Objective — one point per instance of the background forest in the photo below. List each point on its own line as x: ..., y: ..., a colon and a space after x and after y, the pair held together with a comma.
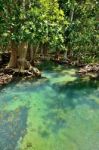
x: 31, y: 27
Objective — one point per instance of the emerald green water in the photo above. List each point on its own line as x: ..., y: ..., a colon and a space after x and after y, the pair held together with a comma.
x: 57, y: 112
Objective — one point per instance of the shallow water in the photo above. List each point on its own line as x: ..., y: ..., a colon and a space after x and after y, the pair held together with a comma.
x: 57, y: 112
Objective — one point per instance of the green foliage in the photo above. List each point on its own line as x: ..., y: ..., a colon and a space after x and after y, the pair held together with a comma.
x: 81, y: 36
x: 37, y: 21
x: 60, y: 24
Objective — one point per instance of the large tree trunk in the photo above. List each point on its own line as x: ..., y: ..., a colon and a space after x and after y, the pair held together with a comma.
x: 22, y: 53
x: 13, y: 58
x: 19, y: 61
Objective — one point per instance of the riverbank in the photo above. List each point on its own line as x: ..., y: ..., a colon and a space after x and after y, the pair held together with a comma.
x: 9, y: 74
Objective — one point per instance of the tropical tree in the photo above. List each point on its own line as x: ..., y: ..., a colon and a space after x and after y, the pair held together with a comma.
x: 28, y: 24
x: 81, y: 36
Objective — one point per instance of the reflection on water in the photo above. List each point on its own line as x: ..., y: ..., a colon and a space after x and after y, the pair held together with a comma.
x: 57, y: 112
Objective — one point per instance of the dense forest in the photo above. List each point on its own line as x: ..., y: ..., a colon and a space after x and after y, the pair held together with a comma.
x: 49, y: 74
x: 31, y: 29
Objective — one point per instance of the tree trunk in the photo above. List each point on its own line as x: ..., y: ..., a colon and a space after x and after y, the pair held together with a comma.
x: 33, y: 52
x: 22, y: 53
x: 19, y: 61
x: 65, y: 55
x: 72, y: 15
x: 13, y: 58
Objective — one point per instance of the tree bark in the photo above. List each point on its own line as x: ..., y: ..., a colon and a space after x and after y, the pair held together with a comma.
x: 13, y: 58
x: 65, y: 55
x: 19, y: 63
x: 33, y: 52
x: 22, y: 53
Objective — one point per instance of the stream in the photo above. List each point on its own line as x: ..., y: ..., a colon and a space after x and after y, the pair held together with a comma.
x: 59, y: 111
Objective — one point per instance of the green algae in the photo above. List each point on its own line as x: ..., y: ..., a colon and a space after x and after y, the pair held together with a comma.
x: 63, y: 111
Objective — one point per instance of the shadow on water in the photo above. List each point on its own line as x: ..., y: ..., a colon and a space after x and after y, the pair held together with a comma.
x: 69, y: 96
x: 77, y: 93
x: 12, y: 127
x: 52, y: 66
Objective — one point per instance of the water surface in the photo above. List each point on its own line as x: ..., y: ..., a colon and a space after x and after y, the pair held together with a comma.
x: 57, y: 112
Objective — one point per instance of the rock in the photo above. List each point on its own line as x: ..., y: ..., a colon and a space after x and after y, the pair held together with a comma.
x: 8, y: 74
x: 8, y: 70
x: 36, y: 72
x: 90, y: 70
x: 23, y: 73
x: 5, y: 78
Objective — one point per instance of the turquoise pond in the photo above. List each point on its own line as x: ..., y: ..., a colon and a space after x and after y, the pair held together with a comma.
x: 57, y: 112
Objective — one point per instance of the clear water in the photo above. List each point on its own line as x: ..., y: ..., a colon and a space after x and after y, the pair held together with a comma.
x: 57, y: 112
